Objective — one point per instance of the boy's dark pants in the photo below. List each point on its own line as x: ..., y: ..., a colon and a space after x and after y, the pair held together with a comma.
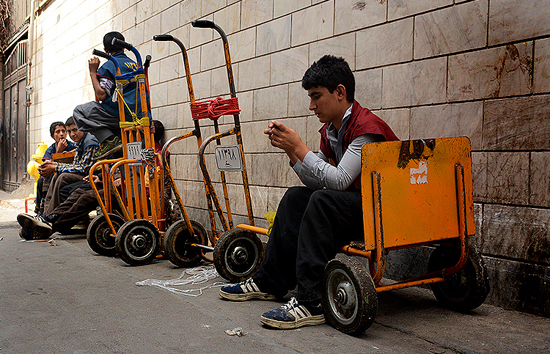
x: 309, y: 228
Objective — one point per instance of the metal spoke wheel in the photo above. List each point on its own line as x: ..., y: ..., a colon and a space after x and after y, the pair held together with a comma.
x: 238, y: 254
x: 137, y: 242
x: 99, y: 235
x: 465, y: 290
x: 349, y: 299
x: 177, y: 242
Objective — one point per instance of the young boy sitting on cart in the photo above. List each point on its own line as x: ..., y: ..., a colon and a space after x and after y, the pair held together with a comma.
x: 102, y: 118
x: 314, y: 221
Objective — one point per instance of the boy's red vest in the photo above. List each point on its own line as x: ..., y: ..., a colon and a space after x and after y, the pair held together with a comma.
x: 362, y: 121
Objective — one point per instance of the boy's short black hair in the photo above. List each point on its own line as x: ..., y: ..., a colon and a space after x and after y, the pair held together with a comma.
x: 329, y: 72
x: 54, y: 125
x: 159, y: 130
x: 108, y: 39
x: 69, y: 121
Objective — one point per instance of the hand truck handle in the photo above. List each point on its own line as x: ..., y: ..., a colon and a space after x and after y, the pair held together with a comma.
x: 99, y: 53
x: 147, y: 61
x: 203, y: 24
x: 117, y: 42
x: 163, y: 37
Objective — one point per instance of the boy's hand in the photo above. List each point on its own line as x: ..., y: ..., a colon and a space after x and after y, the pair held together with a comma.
x: 47, y: 168
x: 93, y: 65
x: 61, y: 145
x: 287, y: 139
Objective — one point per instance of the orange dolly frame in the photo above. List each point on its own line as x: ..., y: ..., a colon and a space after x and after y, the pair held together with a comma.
x: 136, y: 237
x: 237, y: 253
x: 415, y: 193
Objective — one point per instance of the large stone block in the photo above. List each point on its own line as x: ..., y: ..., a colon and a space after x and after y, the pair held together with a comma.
x: 541, y: 77
x: 220, y: 84
x: 339, y: 46
x: 201, y: 85
x: 386, y: 44
x: 454, y: 29
x: 211, y: 5
x: 151, y: 27
x: 312, y: 137
x: 508, y: 177
x: 517, y: 124
x: 254, y: 12
x: 283, y: 7
x: 190, y: 10
x: 490, y: 73
x: 159, y: 94
x: 519, y: 233
x: 271, y: 102
x: 479, y: 176
x: 289, y: 65
x: 212, y: 55
x: 449, y: 120
x: 298, y: 100
x: 271, y: 170
x: 169, y: 19
x: 254, y: 73
x: 416, y: 83
x: 169, y: 68
x: 401, y: 8
x: 242, y: 45
x: 513, y: 20
x: 520, y: 286
x: 539, y: 182
x: 229, y: 18
x: 368, y: 88
x: 246, y: 100
x: 313, y: 23
x: 254, y: 140
x: 351, y: 14
x: 398, y: 120
x: 273, y: 36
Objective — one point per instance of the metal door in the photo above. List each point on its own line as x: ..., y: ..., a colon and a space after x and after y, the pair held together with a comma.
x: 14, y: 121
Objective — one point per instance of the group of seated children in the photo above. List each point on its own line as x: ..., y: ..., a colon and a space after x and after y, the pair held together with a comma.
x: 64, y: 195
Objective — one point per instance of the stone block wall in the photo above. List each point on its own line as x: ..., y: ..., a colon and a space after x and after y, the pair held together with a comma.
x: 430, y: 68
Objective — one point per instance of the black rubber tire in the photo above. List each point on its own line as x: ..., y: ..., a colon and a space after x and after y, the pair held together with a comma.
x: 238, y: 254
x: 99, y: 236
x: 177, y: 240
x: 350, y: 301
x: 137, y: 242
x: 465, y: 290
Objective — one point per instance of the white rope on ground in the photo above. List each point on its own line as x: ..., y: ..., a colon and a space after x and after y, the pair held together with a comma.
x: 197, y: 275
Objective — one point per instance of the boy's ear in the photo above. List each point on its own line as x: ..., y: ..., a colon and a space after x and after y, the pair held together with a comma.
x: 341, y: 90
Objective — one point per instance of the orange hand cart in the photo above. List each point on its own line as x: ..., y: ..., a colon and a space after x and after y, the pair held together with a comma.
x: 415, y: 193
x: 138, y: 239
x: 236, y: 253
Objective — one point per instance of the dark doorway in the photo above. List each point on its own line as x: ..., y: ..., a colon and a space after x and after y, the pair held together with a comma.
x: 14, y: 120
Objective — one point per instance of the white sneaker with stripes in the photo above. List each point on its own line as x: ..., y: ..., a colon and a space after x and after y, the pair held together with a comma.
x: 246, y: 290
x: 293, y: 315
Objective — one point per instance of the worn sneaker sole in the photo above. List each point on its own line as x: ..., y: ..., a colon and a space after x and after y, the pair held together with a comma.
x: 29, y: 223
x: 247, y: 296
x: 109, y: 152
x: 306, y: 321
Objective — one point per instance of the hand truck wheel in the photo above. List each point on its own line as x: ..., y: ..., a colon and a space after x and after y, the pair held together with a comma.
x: 177, y: 242
x: 465, y: 290
x: 137, y: 242
x: 350, y: 301
x: 237, y: 254
x: 99, y: 235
